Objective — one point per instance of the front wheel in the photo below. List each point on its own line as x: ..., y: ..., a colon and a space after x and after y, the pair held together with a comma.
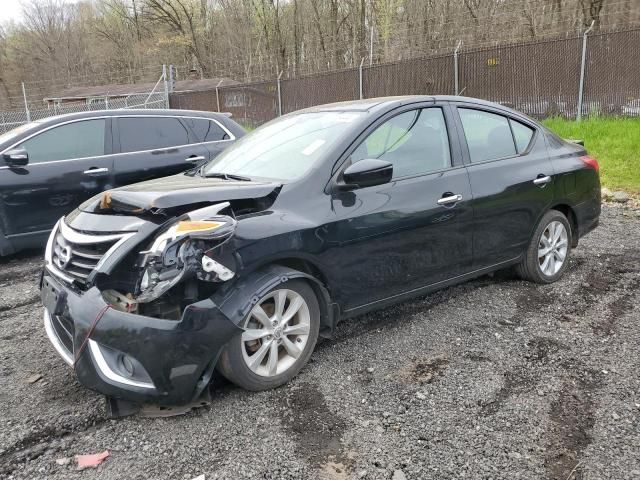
x: 280, y: 333
x: 547, y: 256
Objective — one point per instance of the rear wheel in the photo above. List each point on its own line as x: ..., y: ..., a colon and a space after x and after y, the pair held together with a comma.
x: 547, y: 256
x: 279, y: 336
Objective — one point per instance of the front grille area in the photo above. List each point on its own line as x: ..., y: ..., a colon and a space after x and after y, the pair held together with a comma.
x: 64, y: 331
x: 76, y: 254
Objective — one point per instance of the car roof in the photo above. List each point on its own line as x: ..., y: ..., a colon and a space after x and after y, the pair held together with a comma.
x: 373, y: 105
x: 119, y: 112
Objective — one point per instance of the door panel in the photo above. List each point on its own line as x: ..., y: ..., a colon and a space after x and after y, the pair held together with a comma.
x: 396, y: 237
x: 507, y: 203
x: 35, y: 196
x: 153, y: 147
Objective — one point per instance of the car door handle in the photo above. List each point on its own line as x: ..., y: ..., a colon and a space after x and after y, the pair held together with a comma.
x: 95, y: 172
x: 449, y: 199
x: 542, y: 180
x: 197, y: 159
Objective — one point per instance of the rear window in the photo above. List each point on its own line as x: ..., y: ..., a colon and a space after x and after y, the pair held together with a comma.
x: 206, y: 130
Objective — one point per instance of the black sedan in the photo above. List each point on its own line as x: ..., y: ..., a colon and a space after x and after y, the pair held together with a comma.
x: 50, y: 166
x: 316, y: 216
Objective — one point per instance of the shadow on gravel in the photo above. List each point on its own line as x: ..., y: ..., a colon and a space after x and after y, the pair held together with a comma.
x: 572, y: 418
x: 395, y: 316
x: 317, y: 429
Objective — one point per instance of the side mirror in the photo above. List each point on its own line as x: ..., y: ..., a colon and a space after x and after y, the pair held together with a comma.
x: 16, y: 158
x: 366, y: 173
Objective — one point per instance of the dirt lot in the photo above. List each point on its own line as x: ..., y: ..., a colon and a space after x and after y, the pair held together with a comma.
x: 496, y: 378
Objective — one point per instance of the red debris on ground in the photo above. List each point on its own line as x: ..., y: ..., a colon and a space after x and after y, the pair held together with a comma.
x: 91, y: 460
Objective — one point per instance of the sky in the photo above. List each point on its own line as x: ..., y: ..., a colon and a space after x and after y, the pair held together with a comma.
x: 10, y: 10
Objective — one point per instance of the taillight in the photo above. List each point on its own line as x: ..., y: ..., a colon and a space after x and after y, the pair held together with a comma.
x: 590, y: 162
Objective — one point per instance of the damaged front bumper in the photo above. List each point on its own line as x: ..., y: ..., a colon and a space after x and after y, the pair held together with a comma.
x: 134, y: 357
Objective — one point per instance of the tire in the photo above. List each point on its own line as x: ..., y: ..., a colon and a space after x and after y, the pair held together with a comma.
x: 532, y: 267
x: 262, y: 336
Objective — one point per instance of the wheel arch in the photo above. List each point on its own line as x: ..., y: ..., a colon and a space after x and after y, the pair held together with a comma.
x: 319, y: 282
x: 569, y: 212
x: 239, y: 296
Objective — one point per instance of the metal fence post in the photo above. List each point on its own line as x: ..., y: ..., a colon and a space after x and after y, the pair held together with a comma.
x: 371, y: 47
x: 582, y: 70
x: 218, y: 94
x: 455, y: 69
x: 360, y: 79
x: 166, y: 85
x: 279, y: 95
x: 26, y: 104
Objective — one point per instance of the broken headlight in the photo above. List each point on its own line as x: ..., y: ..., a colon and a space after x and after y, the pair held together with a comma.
x: 186, y: 249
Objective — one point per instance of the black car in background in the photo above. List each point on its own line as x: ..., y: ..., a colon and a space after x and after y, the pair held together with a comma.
x: 317, y: 216
x: 50, y: 166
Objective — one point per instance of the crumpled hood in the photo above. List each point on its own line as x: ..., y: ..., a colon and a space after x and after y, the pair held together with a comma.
x: 176, y: 191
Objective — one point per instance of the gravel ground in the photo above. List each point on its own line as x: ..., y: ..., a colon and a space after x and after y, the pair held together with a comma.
x: 496, y: 378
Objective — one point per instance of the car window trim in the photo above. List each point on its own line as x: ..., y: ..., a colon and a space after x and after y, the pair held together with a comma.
x: 231, y: 138
x: 495, y: 111
x: 418, y: 175
x: 449, y: 125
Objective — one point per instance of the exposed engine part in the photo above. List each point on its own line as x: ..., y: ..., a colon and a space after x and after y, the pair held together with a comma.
x: 123, y: 303
x: 210, y: 265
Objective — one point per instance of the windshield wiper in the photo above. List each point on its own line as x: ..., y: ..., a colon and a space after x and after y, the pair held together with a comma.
x: 226, y: 176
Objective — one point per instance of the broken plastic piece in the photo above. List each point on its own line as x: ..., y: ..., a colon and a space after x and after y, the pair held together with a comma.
x: 91, y: 460
x: 123, y: 303
x: 210, y: 265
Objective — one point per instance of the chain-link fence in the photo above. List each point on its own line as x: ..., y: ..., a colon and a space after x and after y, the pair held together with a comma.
x: 540, y: 79
x: 47, y: 107
x: 251, y: 103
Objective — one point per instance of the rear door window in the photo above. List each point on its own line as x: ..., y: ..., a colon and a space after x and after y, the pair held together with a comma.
x: 488, y: 135
x: 522, y: 135
x: 150, y: 133
x: 81, y: 139
x: 206, y: 130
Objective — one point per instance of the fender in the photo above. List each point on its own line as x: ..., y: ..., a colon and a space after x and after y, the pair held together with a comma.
x: 237, y: 299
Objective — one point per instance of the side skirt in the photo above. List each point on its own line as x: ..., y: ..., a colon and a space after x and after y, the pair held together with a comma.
x: 416, y: 292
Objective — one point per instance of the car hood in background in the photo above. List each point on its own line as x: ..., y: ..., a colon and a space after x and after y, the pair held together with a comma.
x: 176, y: 191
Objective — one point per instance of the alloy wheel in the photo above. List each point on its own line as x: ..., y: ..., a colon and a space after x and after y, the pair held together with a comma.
x: 552, y: 248
x: 276, y: 332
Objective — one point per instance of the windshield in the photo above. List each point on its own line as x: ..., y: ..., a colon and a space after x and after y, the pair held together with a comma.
x: 283, y: 149
x: 13, y: 133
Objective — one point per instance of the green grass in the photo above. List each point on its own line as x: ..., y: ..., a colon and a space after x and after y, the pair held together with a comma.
x: 614, y: 142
